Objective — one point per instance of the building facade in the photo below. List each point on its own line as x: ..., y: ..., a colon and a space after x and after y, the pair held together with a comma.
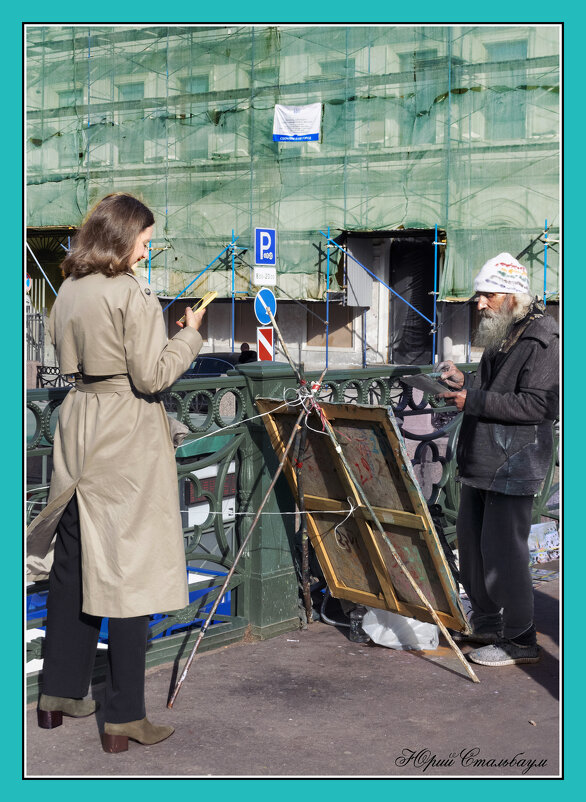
x: 439, y: 147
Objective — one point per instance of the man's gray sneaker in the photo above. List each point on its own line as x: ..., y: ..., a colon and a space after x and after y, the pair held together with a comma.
x: 504, y: 653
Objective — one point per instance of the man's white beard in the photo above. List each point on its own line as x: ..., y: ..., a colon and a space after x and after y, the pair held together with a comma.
x: 494, y: 326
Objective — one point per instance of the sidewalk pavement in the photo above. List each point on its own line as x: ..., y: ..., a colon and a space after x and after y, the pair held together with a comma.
x: 311, y: 703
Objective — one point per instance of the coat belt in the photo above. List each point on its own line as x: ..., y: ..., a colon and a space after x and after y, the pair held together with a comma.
x: 103, y: 384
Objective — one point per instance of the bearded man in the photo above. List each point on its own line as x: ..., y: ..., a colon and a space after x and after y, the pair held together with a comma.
x: 504, y: 451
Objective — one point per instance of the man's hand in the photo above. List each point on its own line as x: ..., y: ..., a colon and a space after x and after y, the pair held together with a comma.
x: 459, y: 398
x: 450, y: 374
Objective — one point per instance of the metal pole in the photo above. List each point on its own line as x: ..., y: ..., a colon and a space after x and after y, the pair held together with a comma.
x: 233, y: 269
x: 364, y: 338
x: 328, y: 299
x: 545, y: 268
x: 435, y: 244
x: 41, y: 269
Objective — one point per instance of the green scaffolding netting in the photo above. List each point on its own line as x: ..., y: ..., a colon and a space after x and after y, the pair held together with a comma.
x: 422, y: 125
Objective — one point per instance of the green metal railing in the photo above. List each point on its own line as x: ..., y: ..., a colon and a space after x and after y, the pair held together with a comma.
x: 228, y: 461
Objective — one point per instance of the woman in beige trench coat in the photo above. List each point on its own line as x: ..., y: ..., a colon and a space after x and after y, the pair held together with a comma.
x: 112, y: 526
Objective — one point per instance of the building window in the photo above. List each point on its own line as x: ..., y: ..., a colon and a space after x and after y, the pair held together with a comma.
x: 69, y: 143
x: 130, y: 133
x: 340, y: 325
x: 339, y: 122
x: 70, y: 98
x: 417, y: 59
x: 195, y: 85
x: 69, y: 149
x: 266, y: 76
x: 195, y: 132
x: 418, y: 122
x: 506, y: 110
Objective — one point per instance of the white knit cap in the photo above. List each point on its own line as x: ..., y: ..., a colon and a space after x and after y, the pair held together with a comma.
x: 503, y: 273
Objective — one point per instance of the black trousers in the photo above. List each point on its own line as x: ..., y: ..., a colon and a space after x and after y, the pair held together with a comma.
x: 492, y: 531
x: 71, y: 636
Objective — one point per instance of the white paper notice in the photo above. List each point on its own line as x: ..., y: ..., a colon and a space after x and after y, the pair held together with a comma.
x: 297, y: 123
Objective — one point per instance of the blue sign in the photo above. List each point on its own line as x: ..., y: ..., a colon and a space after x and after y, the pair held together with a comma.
x: 265, y: 246
x: 261, y: 313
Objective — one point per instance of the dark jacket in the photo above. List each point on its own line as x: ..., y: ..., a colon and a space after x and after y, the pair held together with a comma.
x: 506, y: 439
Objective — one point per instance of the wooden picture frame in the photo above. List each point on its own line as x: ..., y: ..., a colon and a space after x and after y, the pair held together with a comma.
x: 356, y: 561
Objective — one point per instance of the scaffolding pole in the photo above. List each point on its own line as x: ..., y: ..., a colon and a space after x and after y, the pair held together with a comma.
x: 41, y: 269
x: 207, y: 267
x: 328, y: 298
x: 435, y: 247
x: 233, y: 271
x: 545, y: 267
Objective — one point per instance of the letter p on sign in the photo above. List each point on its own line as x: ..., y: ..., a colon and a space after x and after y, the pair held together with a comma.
x: 265, y: 246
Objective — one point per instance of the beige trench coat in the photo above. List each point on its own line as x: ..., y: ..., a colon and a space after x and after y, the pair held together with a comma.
x: 113, y: 448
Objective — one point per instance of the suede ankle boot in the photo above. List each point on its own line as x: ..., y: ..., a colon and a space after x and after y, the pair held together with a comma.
x: 115, y: 736
x: 52, y: 709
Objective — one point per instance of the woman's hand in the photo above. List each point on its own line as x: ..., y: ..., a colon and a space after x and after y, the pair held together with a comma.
x: 194, y: 319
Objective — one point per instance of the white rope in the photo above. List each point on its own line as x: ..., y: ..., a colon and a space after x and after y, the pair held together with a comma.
x: 302, y: 397
x: 216, y: 432
x: 352, y: 508
x: 307, y: 398
x: 311, y: 429
x: 307, y: 512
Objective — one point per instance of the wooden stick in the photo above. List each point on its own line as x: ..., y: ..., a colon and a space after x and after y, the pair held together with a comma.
x: 236, y: 560
x: 306, y: 589
x: 294, y: 367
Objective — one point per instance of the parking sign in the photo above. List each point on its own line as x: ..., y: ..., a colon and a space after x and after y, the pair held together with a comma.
x: 265, y: 246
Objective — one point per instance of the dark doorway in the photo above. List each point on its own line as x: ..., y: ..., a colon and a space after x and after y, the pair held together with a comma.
x: 411, y: 275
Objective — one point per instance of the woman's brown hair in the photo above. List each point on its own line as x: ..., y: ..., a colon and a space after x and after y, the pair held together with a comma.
x: 105, y: 241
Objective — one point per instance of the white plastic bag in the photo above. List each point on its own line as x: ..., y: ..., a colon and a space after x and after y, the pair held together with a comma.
x: 398, y: 632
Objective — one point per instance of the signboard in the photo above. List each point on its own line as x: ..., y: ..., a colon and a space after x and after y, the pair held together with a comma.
x: 265, y: 246
x: 297, y: 123
x: 355, y: 558
x: 265, y: 343
x: 269, y: 299
x: 265, y: 276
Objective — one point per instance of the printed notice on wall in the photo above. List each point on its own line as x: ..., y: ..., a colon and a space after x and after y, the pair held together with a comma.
x: 297, y: 123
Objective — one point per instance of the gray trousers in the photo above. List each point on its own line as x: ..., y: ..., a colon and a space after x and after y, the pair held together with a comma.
x: 492, y: 531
